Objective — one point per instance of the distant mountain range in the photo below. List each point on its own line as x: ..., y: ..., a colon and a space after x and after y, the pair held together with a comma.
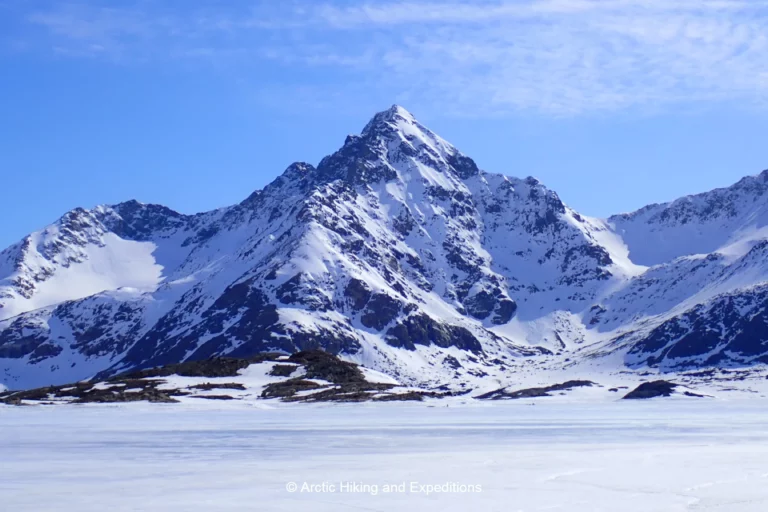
x: 399, y: 253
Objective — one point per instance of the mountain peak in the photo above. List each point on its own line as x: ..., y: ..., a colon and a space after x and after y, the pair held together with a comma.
x: 397, y: 109
x: 390, y: 138
x: 388, y: 120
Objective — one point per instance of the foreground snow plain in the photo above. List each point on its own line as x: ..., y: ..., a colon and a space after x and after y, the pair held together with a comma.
x: 657, y: 455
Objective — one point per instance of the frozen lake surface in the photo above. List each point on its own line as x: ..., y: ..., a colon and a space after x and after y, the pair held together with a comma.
x: 673, y: 455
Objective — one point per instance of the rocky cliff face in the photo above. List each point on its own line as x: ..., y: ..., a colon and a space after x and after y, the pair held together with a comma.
x: 395, y: 251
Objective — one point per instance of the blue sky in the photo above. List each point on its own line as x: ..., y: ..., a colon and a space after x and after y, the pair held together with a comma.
x: 612, y: 103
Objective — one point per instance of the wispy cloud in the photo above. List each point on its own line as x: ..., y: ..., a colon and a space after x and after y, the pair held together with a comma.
x: 410, y: 12
x: 564, y: 57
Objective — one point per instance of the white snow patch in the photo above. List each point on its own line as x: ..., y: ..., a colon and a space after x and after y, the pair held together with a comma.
x: 377, y: 377
x: 116, y: 264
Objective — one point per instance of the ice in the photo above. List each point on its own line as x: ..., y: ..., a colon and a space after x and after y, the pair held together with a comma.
x: 657, y: 456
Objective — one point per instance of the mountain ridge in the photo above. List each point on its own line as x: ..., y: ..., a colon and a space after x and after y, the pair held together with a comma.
x: 396, y: 251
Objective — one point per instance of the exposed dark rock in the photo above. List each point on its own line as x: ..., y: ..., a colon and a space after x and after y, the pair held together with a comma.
x: 451, y: 362
x: 358, y: 294
x: 595, y: 252
x: 217, y: 367
x: 651, y: 390
x: 404, y: 223
x: 347, y: 383
x: 480, y: 305
x: 290, y: 291
x: 297, y: 291
x: 464, y: 166
x: 415, y: 396
x: 207, y: 386
x: 18, y: 340
x: 111, y: 396
x: 503, y: 394
x: 140, y: 221
x: 483, y: 303
x: 423, y: 330
x: 358, y: 162
x: 258, y: 320
x: 349, y: 393
x: 15, y: 397
x: 505, y: 310
x: 283, y: 370
x: 731, y: 329
x: 44, y: 351
x: 288, y: 388
x: 325, y: 366
x: 130, y: 390
x: 381, y: 310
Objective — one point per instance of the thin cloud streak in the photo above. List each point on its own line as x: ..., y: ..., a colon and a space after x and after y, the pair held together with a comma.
x: 559, y: 57
x: 395, y: 13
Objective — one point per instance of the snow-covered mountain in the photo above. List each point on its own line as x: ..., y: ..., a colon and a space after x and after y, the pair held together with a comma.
x: 396, y: 252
